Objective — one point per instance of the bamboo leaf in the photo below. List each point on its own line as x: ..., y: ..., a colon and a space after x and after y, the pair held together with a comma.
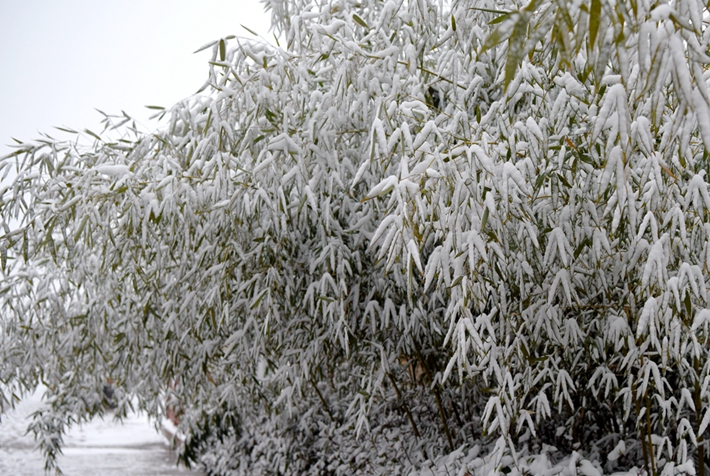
x: 205, y: 46
x: 488, y: 10
x: 594, y: 22
x: 360, y: 21
x: 65, y: 129
x: 516, y: 50
x: 500, y: 19
x: 502, y: 32
x: 484, y: 220
x: 250, y: 31
x: 222, y: 50
x: 92, y: 134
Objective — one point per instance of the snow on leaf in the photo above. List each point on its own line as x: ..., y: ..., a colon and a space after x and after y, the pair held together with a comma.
x: 556, y: 244
x: 423, y: 134
x: 562, y: 277
x: 700, y: 320
x: 618, y: 451
x: 414, y: 253
x: 587, y: 468
x: 704, y: 424
x: 383, y: 187
x: 384, y: 225
x: 113, y: 170
x: 360, y: 173
x: 681, y: 68
x: 648, y: 312
x: 379, y: 135
x: 656, y: 261
x: 698, y: 192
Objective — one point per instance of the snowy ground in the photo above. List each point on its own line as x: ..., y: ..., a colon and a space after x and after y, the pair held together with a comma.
x: 103, y: 447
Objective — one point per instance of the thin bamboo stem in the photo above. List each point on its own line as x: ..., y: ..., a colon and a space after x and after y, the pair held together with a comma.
x: 404, y: 405
x: 325, y: 404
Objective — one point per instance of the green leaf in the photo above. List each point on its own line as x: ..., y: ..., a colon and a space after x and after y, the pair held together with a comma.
x: 204, y: 47
x: 539, y: 181
x: 456, y: 282
x: 453, y: 23
x: 258, y: 299
x: 500, y: 18
x: 222, y: 50
x: 484, y: 220
x: 92, y: 134
x: 594, y: 21
x: 588, y: 241
x: 516, y: 49
x: 79, y: 230
x: 301, y: 204
x: 488, y: 10
x: 359, y: 20
x: 64, y: 129
x: 564, y: 180
x: 563, y: 13
x: 207, y: 123
x: 502, y: 32
x: 250, y: 31
x: 530, y: 7
x: 158, y: 108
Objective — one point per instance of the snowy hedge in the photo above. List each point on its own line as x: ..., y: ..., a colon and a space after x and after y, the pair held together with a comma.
x: 415, y: 231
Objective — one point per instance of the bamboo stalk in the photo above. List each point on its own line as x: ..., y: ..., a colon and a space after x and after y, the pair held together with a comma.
x: 648, y: 435
x: 442, y: 414
x: 404, y: 405
x: 640, y: 430
x: 325, y: 404
x: 437, y: 396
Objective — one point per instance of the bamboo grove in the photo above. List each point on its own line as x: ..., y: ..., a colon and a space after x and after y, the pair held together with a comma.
x: 410, y: 229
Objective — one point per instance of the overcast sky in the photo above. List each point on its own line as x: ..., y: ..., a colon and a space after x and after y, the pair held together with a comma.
x: 61, y: 59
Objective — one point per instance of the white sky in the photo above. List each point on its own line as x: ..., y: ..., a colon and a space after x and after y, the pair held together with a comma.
x: 61, y: 59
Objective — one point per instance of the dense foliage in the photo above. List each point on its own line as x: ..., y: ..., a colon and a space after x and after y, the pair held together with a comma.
x: 415, y: 229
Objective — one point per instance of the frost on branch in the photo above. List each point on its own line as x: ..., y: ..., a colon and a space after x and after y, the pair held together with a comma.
x: 411, y: 226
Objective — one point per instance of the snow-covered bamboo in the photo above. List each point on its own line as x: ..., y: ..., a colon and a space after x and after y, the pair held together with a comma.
x: 478, y: 223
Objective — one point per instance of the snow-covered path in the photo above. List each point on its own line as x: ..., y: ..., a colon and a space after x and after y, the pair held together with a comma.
x: 102, y: 447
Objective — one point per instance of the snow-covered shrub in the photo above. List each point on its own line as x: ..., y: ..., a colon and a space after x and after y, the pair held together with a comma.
x: 423, y: 225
